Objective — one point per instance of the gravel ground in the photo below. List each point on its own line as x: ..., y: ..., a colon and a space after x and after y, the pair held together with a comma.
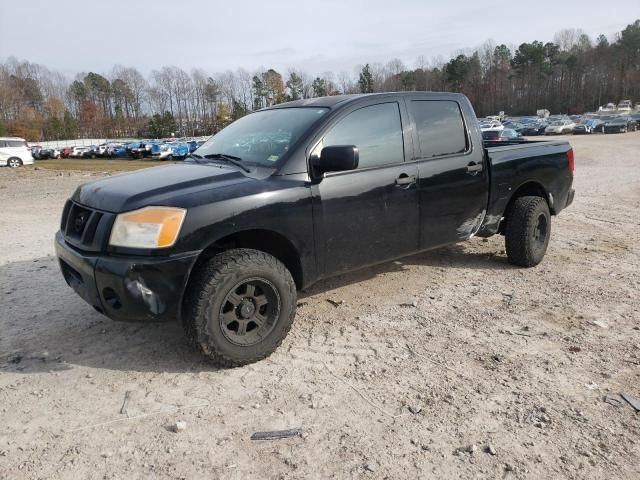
x: 448, y: 364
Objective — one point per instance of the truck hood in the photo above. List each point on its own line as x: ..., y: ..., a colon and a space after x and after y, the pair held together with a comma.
x: 170, y: 185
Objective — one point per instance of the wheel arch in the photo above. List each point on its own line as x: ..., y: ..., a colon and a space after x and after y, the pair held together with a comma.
x: 530, y: 188
x: 265, y: 240
x: 534, y: 189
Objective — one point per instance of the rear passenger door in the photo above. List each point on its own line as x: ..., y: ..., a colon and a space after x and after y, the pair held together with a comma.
x: 370, y: 214
x: 452, y: 183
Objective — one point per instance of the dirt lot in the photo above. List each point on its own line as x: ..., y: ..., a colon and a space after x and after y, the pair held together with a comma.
x: 449, y: 364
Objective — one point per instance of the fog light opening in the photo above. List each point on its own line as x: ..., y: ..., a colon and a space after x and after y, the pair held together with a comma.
x: 111, y: 298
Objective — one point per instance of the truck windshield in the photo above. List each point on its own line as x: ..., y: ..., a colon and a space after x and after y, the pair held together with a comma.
x: 263, y: 137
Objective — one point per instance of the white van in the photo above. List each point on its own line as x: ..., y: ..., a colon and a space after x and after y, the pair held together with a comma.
x: 14, y: 152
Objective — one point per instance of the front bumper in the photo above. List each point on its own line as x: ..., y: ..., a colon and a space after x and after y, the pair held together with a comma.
x: 127, y: 288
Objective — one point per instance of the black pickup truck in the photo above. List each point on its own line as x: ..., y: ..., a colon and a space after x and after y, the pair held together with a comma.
x: 295, y: 193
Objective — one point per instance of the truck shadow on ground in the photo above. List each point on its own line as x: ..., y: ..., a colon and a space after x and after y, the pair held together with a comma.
x: 45, y: 326
x: 450, y: 257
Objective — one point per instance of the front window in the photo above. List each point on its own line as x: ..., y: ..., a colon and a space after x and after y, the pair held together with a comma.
x: 263, y: 137
x: 377, y: 132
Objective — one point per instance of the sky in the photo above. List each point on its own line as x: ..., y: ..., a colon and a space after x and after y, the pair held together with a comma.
x: 327, y: 35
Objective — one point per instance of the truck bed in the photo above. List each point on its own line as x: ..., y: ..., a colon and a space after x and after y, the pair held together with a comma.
x: 535, y: 166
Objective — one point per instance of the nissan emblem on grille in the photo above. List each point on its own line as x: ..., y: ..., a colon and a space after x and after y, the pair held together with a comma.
x: 78, y: 223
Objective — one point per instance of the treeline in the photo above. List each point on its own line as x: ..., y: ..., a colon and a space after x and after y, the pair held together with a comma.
x: 572, y: 74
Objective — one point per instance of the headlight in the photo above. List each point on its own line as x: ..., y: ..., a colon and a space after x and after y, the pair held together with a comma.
x: 149, y: 227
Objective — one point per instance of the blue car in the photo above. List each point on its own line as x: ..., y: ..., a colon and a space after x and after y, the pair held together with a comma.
x: 119, y: 151
x: 181, y: 150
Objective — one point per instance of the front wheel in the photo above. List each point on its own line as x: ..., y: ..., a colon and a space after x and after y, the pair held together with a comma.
x: 527, y: 231
x: 239, y: 306
x: 14, y: 162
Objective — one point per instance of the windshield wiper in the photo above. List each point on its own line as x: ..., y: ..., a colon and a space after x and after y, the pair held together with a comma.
x: 229, y: 158
x: 194, y: 156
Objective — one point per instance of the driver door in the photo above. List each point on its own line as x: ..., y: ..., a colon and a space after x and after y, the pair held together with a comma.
x: 370, y: 214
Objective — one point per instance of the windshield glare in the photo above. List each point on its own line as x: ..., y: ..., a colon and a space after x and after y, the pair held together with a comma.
x: 262, y: 137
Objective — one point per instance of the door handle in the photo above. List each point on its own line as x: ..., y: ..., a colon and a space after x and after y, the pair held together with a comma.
x: 474, y: 168
x: 405, y: 180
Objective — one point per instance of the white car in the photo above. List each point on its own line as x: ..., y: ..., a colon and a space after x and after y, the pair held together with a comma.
x: 559, y: 127
x: 625, y: 106
x: 493, y: 125
x: 14, y: 152
x: 78, y: 151
x: 165, y: 153
x: 101, y: 150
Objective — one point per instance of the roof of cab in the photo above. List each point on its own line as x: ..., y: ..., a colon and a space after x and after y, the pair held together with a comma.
x: 335, y: 100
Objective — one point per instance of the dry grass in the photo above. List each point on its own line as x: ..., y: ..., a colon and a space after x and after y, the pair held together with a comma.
x: 97, y: 165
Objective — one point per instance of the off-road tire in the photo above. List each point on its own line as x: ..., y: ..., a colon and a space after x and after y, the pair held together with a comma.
x: 208, y: 288
x: 524, y: 244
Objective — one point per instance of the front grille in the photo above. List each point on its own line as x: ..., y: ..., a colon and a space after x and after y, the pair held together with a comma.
x: 85, y: 228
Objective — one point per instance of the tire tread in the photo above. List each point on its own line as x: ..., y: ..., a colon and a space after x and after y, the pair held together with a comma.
x: 200, y: 296
x: 518, y: 240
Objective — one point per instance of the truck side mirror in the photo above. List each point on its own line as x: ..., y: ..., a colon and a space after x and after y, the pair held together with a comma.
x: 338, y: 158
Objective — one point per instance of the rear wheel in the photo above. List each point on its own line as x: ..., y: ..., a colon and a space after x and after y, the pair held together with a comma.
x: 239, y: 306
x: 527, y: 231
x: 14, y: 162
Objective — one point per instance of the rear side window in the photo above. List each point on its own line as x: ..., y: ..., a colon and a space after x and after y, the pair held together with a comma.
x: 375, y: 130
x: 15, y: 143
x: 439, y: 127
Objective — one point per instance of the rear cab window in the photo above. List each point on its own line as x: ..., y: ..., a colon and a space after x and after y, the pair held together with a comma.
x: 439, y: 127
x: 490, y: 135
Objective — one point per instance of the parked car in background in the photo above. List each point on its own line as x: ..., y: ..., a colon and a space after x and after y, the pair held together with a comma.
x: 90, y: 152
x: 505, y: 135
x: 139, y: 149
x: 162, y: 151
x: 181, y: 150
x: 625, y: 106
x: 45, y: 153
x: 193, y: 146
x: 76, y: 152
x: 588, y: 126
x: 14, y: 152
x: 534, y: 129
x: 491, y: 125
x: 135, y: 149
x: 112, y: 149
x: 101, y: 150
x: 119, y: 151
x: 621, y: 125
x: 559, y: 127
x: 65, y: 152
